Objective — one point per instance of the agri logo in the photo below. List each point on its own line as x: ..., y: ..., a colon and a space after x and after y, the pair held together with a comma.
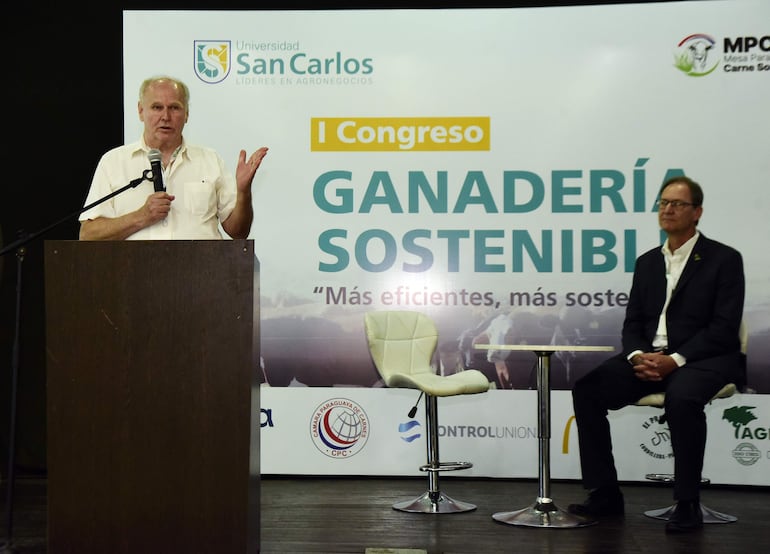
x: 695, y: 55
x: 746, y: 453
x: 339, y: 428
x: 211, y: 60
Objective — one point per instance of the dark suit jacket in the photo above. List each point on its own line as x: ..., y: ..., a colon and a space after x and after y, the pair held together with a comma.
x: 704, y: 316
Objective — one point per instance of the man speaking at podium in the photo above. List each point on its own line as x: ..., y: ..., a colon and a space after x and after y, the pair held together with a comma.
x: 191, y: 191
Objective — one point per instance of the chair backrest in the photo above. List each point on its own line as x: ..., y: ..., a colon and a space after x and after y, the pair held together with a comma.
x: 400, y: 342
x: 743, y: 334
x: 743, y: 337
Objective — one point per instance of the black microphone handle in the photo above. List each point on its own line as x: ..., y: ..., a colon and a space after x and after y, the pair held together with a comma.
x: 413, y: 411
x: 157, y: 176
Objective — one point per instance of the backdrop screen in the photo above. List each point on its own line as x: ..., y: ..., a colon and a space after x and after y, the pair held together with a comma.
x: 497, y: 169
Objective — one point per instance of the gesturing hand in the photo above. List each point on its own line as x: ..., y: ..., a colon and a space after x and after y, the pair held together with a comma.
x: 246, y: 169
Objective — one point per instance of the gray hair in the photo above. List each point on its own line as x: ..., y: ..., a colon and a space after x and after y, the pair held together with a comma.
x: 147, y: 83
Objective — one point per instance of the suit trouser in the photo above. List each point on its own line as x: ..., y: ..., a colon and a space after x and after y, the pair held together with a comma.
x: 613, y: 385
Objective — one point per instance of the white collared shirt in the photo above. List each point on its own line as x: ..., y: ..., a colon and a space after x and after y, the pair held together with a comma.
x: 675, y: 262
x: 204, y: 191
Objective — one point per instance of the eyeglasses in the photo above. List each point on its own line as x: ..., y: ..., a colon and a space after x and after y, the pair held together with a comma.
x: 676, y: 204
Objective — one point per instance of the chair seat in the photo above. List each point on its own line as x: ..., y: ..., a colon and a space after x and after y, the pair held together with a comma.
x: 470, y: 381
x: 658, y: 399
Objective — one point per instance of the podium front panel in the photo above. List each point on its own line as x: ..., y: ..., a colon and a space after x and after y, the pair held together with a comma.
x: 152, y: 364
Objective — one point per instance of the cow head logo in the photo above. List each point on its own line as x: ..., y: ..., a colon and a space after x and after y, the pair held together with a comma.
x: 695, y: 55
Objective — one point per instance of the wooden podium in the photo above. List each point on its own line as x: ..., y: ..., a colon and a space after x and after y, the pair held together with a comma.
x: 152, y: 397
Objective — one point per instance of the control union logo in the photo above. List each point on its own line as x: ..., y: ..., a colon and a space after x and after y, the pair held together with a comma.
x: 339, y: 428
x: 409, y: 431
x: 212, y: 60
x: 694, y: 57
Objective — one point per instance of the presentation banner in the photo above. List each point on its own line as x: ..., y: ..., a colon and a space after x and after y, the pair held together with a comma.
x: 496, y: 169
x: 368, y: 431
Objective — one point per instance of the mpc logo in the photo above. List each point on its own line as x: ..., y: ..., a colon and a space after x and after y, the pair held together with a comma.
x: 211, y: 59
x: 699, y: 55
x: 694, y: 55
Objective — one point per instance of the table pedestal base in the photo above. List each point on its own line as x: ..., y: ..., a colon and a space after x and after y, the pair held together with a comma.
x: 543, y: 513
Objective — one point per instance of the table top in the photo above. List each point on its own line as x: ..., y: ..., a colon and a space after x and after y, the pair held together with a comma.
x: 546, y: 347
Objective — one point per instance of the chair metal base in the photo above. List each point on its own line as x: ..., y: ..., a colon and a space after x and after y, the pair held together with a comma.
x: 669, y: 478
x: 709, y: 515
x: 545, y: 514
x: 433, y: 503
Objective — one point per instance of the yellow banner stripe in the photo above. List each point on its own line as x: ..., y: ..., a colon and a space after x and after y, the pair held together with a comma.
x: 399, y: 134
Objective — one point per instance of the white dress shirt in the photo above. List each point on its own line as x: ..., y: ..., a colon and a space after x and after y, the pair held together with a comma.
x: 675, y: 262
x: 204, y: 191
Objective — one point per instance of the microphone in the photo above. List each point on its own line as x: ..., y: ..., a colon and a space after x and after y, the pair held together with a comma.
x: 157, y: 173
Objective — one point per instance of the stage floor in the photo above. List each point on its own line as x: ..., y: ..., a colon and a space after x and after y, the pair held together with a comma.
x: 354, y: 515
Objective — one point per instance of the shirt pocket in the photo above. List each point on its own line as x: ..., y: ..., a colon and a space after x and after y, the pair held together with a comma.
x: 200, y: 197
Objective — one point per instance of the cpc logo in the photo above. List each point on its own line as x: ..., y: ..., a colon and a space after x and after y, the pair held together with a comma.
x: 339, y: 428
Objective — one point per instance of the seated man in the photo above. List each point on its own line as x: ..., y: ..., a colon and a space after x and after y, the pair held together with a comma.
x: 680, y: 335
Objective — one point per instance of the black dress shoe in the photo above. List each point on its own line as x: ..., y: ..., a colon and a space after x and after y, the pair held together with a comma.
x: 599, y: 503
x: 686, y: 517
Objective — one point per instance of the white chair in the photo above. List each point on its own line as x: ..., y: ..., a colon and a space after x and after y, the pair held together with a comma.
x: 402, y: 344
x: 657, y: 400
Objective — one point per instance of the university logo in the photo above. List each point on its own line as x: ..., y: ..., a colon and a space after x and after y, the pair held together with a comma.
x: 339, y: 428
x: 211, y: 59
x: 696, y: 56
